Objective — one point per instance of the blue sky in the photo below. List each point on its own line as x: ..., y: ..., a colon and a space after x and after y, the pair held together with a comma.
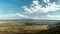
x: 30, y: 9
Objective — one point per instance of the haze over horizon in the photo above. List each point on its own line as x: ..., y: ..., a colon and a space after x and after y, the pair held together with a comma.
x: 30, y: 9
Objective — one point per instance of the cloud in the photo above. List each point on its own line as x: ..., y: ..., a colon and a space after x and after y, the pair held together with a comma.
x: 47, y: 17
x: 12, y: 16
x: 36, y: 7
x: 53, y: 17
x: 46, y: 1
x: 20, y: 15
x: 28, y: 10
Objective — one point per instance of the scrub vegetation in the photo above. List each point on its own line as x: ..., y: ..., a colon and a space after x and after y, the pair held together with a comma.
x: 28, y: 28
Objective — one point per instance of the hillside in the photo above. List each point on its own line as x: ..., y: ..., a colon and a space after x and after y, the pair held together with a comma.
x: 53, y: 30
x: 21, y: 28
x: 18, y: 27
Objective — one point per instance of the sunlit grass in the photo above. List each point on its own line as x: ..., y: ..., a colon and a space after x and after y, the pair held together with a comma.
x: 21, y: 28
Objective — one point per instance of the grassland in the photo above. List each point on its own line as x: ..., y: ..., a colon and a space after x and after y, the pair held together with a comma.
x: 28, y: 28
x: 21, y: 28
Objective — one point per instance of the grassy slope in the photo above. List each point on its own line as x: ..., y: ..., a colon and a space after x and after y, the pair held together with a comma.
x: 54, y: 30
x: 19, y: 28
x: 27, y: 28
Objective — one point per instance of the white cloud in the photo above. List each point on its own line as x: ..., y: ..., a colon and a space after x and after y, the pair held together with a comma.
x: 35, y: 7
x: 53, y: 17
x: 46, y: 1
x: 36, y: 2
x: 28, y: 10
x: 22, y: 16
x: 47, y: 17
x: 12, y: 16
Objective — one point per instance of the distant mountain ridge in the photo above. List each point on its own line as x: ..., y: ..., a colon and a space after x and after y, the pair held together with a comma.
x: 33, y: 21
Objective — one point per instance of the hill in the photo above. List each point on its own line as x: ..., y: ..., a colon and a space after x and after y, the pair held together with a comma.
x: 21, y: 28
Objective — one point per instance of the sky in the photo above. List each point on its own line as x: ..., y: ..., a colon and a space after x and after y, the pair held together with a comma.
x: 30, y: 9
